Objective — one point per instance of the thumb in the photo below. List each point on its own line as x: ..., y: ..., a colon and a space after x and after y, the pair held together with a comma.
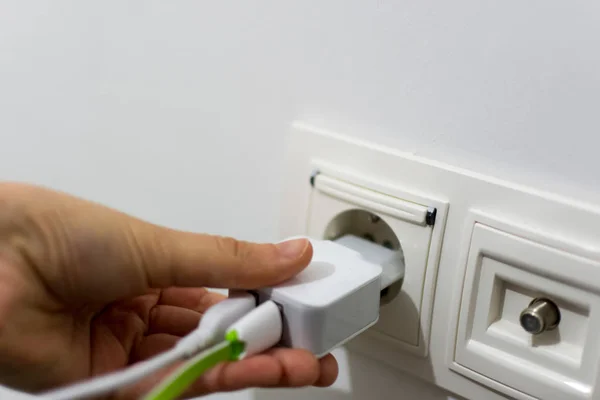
x: 187, y: 259
x: 82, y: 251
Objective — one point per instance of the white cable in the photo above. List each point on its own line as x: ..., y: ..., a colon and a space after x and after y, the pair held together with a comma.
x: 106, y: 384
x: 215, y: 322
x: 212, y: 328
x: 259, y: 330
x: 11, y: 394
x: 254, y: 333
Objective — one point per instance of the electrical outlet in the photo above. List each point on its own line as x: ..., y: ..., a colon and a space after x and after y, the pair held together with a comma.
x: 455, y: 319
x: 340, y: 200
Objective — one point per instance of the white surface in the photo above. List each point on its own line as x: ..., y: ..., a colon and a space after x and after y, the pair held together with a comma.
x: 260, y: 329
x: 9, y: 394
x: 335, y: 271
x: 391, y: 262
x: 153, y: 107
x: 363, y: 198
x: 216, y: 321
x: 331, y: 301
x: 403, y: 210
x: 567, y: 273
x: 507, y: 267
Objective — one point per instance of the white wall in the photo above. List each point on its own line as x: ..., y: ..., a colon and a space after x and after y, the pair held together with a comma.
x: 176, y: 110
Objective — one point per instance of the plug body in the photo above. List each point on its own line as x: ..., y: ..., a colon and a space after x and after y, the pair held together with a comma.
x: 331, y: 301
x: 390, y: 261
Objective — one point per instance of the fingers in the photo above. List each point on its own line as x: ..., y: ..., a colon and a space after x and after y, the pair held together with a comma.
x: 84, y: 252
x: 329, y: 371
x: 172, y: 320
x: 179, y: 310
x: 277, y: 368
x: 197, y: 299
x: 152, y: 345
x: 203, y: 260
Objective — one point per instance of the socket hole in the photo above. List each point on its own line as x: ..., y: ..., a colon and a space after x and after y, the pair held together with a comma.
x: 369, y: 226
x: 369, y: 237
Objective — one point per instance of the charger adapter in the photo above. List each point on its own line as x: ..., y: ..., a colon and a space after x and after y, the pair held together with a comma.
x: 337, y: 296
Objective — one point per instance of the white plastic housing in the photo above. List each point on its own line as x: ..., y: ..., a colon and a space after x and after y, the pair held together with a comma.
x: 334, y: 299
x: 259, y: 330
x: 405, y: 319
x: 390, y: 261
x: 216, y: 320
x: 555, y: 365
x: 498, y: 245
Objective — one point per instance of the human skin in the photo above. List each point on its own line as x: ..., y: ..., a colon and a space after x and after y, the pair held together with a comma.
x: 86, y: 290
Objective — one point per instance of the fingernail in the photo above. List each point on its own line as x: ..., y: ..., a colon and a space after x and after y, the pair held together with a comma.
x: 292, y: 248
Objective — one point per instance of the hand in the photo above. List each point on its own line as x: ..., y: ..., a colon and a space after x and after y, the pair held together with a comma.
x: 85, y: 290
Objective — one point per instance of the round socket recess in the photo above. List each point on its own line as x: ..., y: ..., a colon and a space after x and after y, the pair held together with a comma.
x: 370, y: 226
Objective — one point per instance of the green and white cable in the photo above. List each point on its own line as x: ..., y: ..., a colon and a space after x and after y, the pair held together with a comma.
x: 177, y: 383
x: 212, y: 327
x: 258, y: 331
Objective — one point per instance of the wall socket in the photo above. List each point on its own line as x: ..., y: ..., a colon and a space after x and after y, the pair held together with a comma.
x: 477, y: 250
x: 343, y: 202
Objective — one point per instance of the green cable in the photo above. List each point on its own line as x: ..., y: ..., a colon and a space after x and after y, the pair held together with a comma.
x: 172, y: 387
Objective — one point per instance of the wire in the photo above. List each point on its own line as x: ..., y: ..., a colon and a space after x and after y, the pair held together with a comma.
x: 11, y: 394
x: 254, y: 333
x: 215, y: 322
x: 211, y: 329
x: 184, y: 376
x: 107, y: 384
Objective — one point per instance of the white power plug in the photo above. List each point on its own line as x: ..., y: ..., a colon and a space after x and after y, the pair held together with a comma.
x: 337, y: 296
